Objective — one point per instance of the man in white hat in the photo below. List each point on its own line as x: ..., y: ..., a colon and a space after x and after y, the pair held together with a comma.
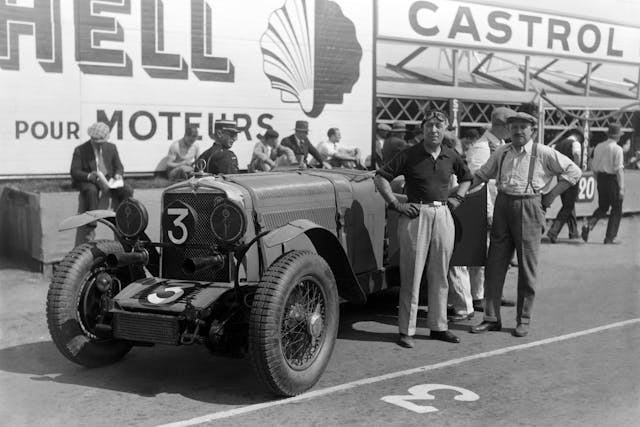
x: 96, y: 170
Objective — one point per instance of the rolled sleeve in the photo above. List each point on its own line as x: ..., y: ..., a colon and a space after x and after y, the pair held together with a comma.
x: 392, y: 168
x: 618, y: 159
x: 564, y: 167
x: 461, y: 170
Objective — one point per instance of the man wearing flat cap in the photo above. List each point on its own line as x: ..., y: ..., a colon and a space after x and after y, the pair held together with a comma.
x: 96, y: 170
x: 523, y: 170
x: 268, y: 154
x: 300, y: 144
x: 220, y: 159
x: 608, y: 165
x: 425, y: 227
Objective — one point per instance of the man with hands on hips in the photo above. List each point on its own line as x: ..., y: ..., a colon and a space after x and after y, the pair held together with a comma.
x: 426, y: 230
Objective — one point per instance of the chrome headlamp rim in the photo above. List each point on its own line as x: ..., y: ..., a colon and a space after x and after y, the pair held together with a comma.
x: 130, y: 210
x: 233, y: 213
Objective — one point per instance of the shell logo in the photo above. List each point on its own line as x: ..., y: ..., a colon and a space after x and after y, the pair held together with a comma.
x: 311, y: 54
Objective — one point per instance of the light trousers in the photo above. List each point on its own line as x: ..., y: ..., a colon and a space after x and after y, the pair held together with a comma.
x: 425, y: 242
x: 460, y: 290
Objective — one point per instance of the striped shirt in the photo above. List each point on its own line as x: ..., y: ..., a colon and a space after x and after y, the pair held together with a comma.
x: 514, y: 169
x: 607, y: 157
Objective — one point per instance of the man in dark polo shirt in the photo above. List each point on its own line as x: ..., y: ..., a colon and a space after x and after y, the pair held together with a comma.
x: 425, y: 228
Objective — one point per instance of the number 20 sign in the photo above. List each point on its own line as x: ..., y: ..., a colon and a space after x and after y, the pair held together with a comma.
x: 586, y: 188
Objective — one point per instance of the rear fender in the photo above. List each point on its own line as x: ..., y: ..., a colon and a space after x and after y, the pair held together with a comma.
x: 107, y: 217
x: 329, y: 248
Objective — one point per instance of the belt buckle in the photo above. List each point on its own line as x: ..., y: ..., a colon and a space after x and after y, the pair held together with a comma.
x: 437, y: 203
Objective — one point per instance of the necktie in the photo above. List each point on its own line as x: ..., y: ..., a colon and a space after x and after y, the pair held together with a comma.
x: 100, y: 161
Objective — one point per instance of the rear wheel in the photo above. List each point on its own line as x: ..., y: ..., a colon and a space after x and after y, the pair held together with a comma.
x: 294, y: 323
x: 74, y: 305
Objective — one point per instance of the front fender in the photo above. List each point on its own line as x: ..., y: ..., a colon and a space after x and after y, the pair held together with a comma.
x: 85, y: 218
x: 329, y: 248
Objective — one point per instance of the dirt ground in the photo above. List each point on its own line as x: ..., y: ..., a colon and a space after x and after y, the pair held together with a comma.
x: 578, y: 366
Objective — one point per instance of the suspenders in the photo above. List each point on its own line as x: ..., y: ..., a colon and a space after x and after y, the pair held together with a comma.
x: 532, y: 166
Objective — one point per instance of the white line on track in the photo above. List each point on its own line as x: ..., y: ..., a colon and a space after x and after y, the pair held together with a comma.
x: 365, y: 381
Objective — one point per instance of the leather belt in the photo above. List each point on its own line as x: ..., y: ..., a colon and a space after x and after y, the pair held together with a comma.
x: 432, y: 204
x: 519, y: 196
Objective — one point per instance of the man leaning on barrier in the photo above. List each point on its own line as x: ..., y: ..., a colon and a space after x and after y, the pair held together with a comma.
x: 96, y: 170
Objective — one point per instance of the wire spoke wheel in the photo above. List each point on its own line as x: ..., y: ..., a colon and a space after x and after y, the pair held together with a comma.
x: 303, y: 329
x: 294, y: 322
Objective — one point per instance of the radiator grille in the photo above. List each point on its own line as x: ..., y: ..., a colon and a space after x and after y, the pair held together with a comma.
x: 172, y: 258
x: 146, y: 327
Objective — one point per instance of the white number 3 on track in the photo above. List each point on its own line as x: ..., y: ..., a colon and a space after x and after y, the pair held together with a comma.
x: 422, y: 392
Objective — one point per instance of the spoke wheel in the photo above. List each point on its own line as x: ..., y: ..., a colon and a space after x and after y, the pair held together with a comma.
x: 294, y: 323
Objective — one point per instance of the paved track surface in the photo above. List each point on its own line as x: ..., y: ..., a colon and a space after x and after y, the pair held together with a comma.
x: 578, y: 366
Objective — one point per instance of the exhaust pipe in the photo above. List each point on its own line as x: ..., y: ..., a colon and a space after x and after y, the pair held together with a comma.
x: 195, y: 265
x: 128, y: 258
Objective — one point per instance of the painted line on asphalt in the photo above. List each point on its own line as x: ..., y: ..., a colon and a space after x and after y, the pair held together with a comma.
x: 365, y: 381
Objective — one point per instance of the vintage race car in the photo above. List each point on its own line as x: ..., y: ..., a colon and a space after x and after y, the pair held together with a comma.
x: 248, y: 264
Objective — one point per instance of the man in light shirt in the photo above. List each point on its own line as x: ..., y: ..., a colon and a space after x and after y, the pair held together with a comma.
x: 336, y: 156
x: 182, y: 155
x: 478, y: 154
x: 522, y: 169
x: 608, y: 165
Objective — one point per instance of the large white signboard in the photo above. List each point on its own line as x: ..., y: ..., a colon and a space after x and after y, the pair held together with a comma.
x: 479, y: 26
x: 148, y: 68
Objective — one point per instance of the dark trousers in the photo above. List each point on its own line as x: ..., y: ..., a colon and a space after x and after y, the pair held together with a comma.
x: 608, y: 197
x: 566, y: 214
x: 517, y: 225
x: 90, y: 199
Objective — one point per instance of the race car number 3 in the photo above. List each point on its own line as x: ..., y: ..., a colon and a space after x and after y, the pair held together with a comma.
x: 423, y: 392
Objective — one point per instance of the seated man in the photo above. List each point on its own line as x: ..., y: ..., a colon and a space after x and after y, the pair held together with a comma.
x: 97, y: 172
x: 268, y: 154
x: 182, y: 155
x: 339, y: 157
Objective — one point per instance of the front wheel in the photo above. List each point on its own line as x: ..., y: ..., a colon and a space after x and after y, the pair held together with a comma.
x: 74, y: 305
x: 294, y: 323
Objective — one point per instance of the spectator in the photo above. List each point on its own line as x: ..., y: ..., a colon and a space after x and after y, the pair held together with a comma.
x: 468, y: 137
x: 521, y: 168
x: 570, y: 146
x: 301, y: 146
x: 395, y: 143
x: 219, y: 158
x: 382, y: 131
x: 96, y: 170
x: 339, y: 157
x: 183, y: 154
x: 268, y: 154
x: 609, y: 169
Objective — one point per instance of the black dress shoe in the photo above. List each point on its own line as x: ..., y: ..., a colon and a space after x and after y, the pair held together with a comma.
x: 478, y: 305
x: 444, y: 336
x: 585, y: 233
x: 486, y: 326
x: 611, y: 242
x: 460, y: 317
x: 405, y: 341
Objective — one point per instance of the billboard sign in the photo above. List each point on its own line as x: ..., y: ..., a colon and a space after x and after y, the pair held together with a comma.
x: 453, y: 23
x: 150, y: 68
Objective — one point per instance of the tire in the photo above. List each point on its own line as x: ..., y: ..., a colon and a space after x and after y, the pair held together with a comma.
x: 281, y: 312
x: 69, y: 325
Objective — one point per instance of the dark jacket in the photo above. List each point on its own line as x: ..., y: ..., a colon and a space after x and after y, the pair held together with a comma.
x: 301, y: 150
x: 219, y: 160
x: 84, y: 162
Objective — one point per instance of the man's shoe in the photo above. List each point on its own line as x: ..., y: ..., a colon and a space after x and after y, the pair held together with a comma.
x: 478, y: 305
x: 585, y: 232
x: 486, y: 326
x: 444, y: 336
x: 548, y: 239
x: 521, y: 330
x: 460, y: 317
x: 507, y: 302
x: 574, y: 236
x: 405, y: 341
x: 611, y: 242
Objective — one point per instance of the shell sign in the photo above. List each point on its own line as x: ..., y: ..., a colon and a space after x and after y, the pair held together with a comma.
x: 312, y: 61
x: 151, y: 68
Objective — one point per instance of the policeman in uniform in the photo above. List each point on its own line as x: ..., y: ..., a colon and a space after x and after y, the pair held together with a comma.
x: 220, y: 158
x: 522, y: 169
